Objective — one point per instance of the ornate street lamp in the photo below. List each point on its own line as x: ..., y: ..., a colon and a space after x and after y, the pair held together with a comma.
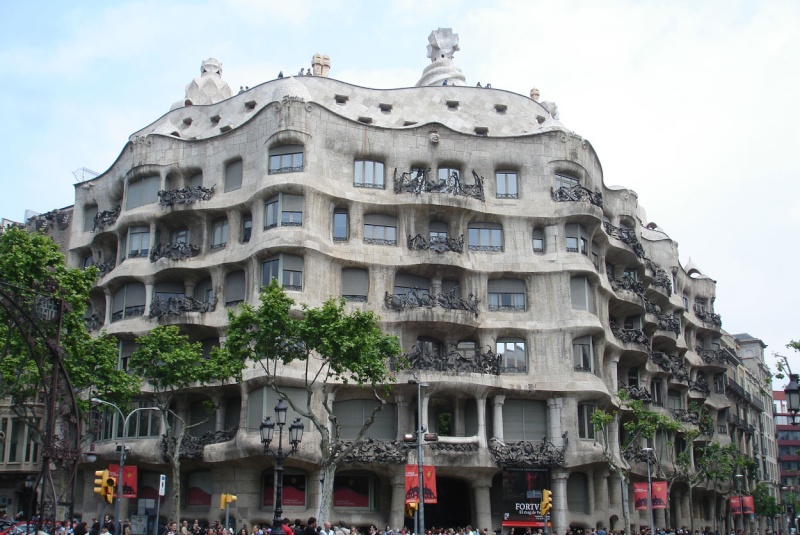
x: 792, y: 392
x: 267, y: 429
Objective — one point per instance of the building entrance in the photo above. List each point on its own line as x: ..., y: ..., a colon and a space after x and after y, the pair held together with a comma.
x: 455, y: 504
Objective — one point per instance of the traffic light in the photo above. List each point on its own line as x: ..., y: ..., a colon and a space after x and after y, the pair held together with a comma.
x: 104, y: 485
x: 411, y: 508
x: 547, y: 502
x: 225, y: 499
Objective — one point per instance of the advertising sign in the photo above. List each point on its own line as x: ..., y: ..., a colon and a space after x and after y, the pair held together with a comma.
x: 640, y: 496
x: 736, y: 507
x: 428, y: 483
x: 522, y: 496
x: 129, y: 481
x: 659, y: 494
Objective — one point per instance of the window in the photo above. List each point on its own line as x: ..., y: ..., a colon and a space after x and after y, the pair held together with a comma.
x: 564, y: 181
x: 633, y: 377
x: 233, y: 175
x: 271, y: 212
x: 234, y: 288
x: 87, y: 261
x: 657, y: 392
x: 195, y: 181
x: 355, y: 284
x: 513, y: 358
x: 143, y: 191
x: 286, y: 208
x: 595, y: 255
x: 437, y: 232
x: 287, y: 268
x: 247, y: 228
x: 585, y: 426
x: 448, y: 175
x: 368, y: 174
x: 685, y: 303
x: 582, y: 354
x: 167, y: 290
x: 380, y: 229
x: 577, y: 239
x: 204, y: 291
x: 631, y: 274
x: 700, y: 305
x: 632, y: 323
x: 406, y: 282
x: 126, y: 349
x: 674, y: 399
x: 89, y: 214
x: 538, y: 240
x: 355, y: 491
x: 138, y: 241
x: 352, y: 414
x: 485, y: 237
x: 341, y: 225
x: 506, y: 294
x: 581, y: 293
x: 219, y: 233
x: 524, y: 419
x: 179, y: 236
x: 285, y: 159
x: 506, y: 185
x: 128, y: 301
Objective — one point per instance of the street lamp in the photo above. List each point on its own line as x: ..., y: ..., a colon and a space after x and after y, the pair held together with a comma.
x: 120, y: 476
x: 267, y: 429
x: 422, y: 435
x: 29, y: 482
x: 649, y: 451
x: 739, y: 478
x: 792, y: 392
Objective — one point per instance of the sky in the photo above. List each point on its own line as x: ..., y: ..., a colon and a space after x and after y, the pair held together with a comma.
x: 692, y: 104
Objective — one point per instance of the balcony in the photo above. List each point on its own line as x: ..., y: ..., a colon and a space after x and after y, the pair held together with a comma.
x: 625, y: 283
x: 672, y: 364
x: 175, y: 306
x: 187, y: 195
x: 707, y: 317
x: 420, y: 298
x: 736, y: 388
x: 417, y: 181
x: 174, y: 251
x: 437, y: 244
x: 663, y: 280
x: 636, y: 336
x: 577, y: 193
x: 626, y: 236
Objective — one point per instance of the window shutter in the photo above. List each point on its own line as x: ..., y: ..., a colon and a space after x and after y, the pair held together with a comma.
x: 150, y: 187
x: 513, y: 420
x: 233, y: 175
x: 171, y: 287
x: 380, y: 219
x: 578, y: 291
x: 292, y: 203
x: 535, y: 413
x: 134, y: 294
x: 355, y: 281
x: 234, y: 286
x: 406, y: 280
x: 255, y: 407
x: 506, y: 286
x: 195, y: 181
x: 119, y: 300
x: 437, y: 226
x: 285, y: 149
x: 292, y: 262
x: 88, y: 218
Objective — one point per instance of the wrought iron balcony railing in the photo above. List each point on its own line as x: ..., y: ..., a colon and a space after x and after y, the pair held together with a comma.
x: 419, y: 298
x: 577, y: 193
x: 437, y: 244
x: 187, y: 195
x: 528, y: 454
x: 174, y: 251
x: 174, y: 306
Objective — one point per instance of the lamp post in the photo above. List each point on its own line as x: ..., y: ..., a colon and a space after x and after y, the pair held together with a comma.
x: 120, y: 476
x: 29, y: 481
x: 267, y: 429
x: 422, y: 435
x: 649, y: 451
x: 739, y: 478
x: 792, y: 392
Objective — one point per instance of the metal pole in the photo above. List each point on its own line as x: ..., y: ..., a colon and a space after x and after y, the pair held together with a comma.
x: 650, y: 491
x: 158, y: 514
x: 420, y: 432
x: 277, y: 516
x: 227, y: 516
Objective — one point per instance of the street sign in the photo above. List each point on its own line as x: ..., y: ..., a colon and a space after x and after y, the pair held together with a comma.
x: 162, y: 485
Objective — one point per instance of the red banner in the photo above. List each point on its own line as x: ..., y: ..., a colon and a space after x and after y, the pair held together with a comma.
x: 736, y: 508
x: 640, y: 496
x: 428, y: 484
x: 659, y: 494
x: 129, y: 481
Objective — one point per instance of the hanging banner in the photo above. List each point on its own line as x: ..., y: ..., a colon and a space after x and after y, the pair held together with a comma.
x: 749, y: 505
x: 640, y: 496
x: 736, y: 508
x: 129, y: 481
x: 522, y: 496
x: 659, y: 494
x: 428, y: 483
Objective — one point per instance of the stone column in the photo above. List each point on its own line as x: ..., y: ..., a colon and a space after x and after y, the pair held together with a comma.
x: 398, y: 500
x: 660, y: 519
x: 481, y: 402
x: 219, y: 413
x: 483, y: 508
x: 555, y: 427
x: 677, y: 496
x: 551, y: 235
x: 615, y: 492
x: 559, y: 511
x: 245, y: 394
x: 425, y: 399
x: 148, y: 298
x: 601, y: 499
x: 109, y: 306
x: 498, y: 402
x: 687, y: 509
x: 590, y: 482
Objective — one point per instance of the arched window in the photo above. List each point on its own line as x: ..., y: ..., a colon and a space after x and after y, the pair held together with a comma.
x: 128, y: 301
x: 143, y: 191
x: 513, y: 356
x: 285, y: 159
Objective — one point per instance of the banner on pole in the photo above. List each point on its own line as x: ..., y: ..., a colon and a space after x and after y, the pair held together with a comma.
x: 129, y: 481
x: 659, y: 493
x: 640, y: 496
x: 428, y: 484
x: 736, y: 505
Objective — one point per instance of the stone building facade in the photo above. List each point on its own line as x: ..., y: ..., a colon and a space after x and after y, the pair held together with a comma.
x: 525, y: 291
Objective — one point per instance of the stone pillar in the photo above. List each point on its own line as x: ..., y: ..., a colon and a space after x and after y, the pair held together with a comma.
x: 590, y: 482
x: 498, y: 402
x: 109, y: 306
x: 559, y: 511
x: 398, y: 501
x: 483, y: 508
x: 678, y: 521
x: 245, y: 394
x: 687, y: 510
x: 148, y: 298
x: 555, y: 427
x: 182, y: 410
x: 424, y: 416
x: 660, y: 519
x: 403, y: 427
x: 331, y: 399
x: 458, y: 417
x: 551, y: 235
x: 481, y: 402
x: 601, y: 498
x: 219, y: 413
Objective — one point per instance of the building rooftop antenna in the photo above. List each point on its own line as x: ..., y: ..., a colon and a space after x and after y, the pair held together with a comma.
x: 82, y: 174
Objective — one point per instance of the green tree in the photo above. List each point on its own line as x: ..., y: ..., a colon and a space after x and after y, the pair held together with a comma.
x: 169, y: 365
x: 765, y: 504
x: 325, y: 346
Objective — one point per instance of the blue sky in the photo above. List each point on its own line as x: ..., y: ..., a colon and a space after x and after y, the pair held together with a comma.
x: 694, y: 105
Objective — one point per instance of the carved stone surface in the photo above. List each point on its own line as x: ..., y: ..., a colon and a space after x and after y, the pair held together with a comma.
x: 192, y: 447
x: 469, y: 447
x: 187, y: 195
x: 637, y: 392
x: 417, y: 297
x: 370, y: 450
x: 526, y: 454
x: 106, y: 218
x: 174, y: 251
x: 630, y: 335
x: 420, y: 183
x: 626, y: 236
x: 436, y: 243
x: 672, y: 364
x: 453, y: 362
x: 666, y: 322
x: 577, y: 193
x: 662, y: 279
x: 700, y: 385
x: 175, y: 306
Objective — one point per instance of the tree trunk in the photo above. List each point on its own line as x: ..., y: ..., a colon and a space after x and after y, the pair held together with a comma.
x: 626, y: 512
x: 667, y: 515
x: 326, y: 494
x: 691, y: 502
